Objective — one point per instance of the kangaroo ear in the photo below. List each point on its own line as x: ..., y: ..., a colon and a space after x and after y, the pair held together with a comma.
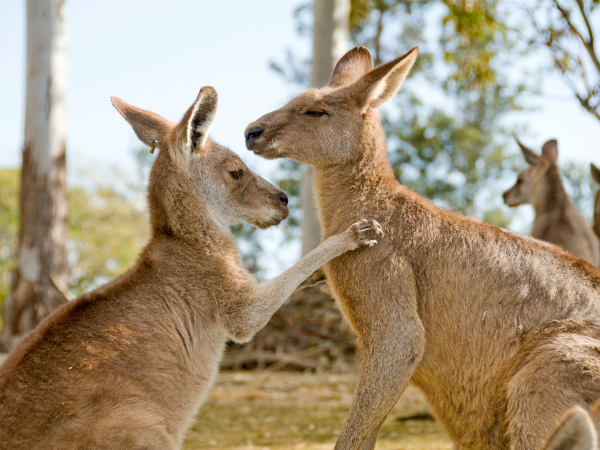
x: 595, y: 411
x: 201, y: 116
x: 147, y: 126
x: 550, y: 150
x: 531, y: 157
x: 596, y: 177
x: 379, y: 85
x: 353, y: 65
x: 574, y: 432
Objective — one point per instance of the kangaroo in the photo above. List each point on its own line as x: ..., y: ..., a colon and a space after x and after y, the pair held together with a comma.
x: 556, y: 218
x: 127, y: 365
x: 577, y: 430
x: 596, y: 177
x: 500, y: 331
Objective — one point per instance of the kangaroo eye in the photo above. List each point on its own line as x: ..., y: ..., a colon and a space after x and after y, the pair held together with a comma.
x: 315, y: 113
x: 236, y: 174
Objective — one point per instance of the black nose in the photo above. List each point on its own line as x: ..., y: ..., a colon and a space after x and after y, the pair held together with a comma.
x: 282, y: 198
x: 252, y: 136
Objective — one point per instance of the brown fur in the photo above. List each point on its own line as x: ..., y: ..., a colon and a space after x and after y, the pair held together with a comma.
x: 501, y: 332
x: 127, y: 365
x: 596, y: 176
x: 556, y: 218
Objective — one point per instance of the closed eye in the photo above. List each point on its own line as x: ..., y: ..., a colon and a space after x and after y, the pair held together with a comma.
x: 236, y: 174
x: 315, y: 113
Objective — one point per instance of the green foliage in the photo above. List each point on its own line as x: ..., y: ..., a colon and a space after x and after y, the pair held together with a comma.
x: 106, y: 232
x: 9, y: 221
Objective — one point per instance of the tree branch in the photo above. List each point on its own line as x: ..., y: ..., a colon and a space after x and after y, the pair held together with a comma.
x: 589, y: 46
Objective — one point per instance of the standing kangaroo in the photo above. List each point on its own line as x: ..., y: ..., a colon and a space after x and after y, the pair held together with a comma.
x: 127, y: 365
x: 596, y: 176
x: 556, y: 218
x: 501, y: 332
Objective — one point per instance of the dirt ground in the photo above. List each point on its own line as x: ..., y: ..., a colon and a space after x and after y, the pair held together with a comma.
x: 281, y: 410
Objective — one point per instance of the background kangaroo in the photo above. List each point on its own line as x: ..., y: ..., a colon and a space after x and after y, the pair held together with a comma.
x: 556, y: 218
x: 501, y: 332
x: 127, y: 365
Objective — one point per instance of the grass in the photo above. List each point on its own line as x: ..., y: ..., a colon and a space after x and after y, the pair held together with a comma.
x: 279, y: 410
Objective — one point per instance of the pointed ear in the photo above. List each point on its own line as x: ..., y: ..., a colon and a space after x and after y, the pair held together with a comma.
x: 379, y: 85
x: 574, y: 432
x: 550, y: 150
x: 353, y: 65
x: 596, y: 177
x: 200, y: 118
x: 531, y: 157
x: 147, y: 126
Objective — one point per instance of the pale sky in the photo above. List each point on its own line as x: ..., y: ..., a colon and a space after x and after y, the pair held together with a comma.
x: 157, y: 55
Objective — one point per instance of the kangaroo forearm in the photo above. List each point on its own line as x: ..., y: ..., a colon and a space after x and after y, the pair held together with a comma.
x: 267, y: 297
x: 255, y: 306
x: 278, y: 289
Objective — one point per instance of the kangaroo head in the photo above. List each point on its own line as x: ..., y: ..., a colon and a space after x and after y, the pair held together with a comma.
x: 195, y: 180
x: 534, y: 181
x: 324, y: 126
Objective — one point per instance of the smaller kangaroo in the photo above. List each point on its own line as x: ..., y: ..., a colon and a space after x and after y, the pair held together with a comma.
x: 577, y: 430
x: 127, y: 365
x: 596, y: 177
x: 556, y: 218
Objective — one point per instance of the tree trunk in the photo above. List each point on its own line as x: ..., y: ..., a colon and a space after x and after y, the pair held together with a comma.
x: 42, y: 269
x: 330, y: 42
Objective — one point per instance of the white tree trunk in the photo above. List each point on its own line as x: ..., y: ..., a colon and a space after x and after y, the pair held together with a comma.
x: 330, y: 42
x: 42, y: 256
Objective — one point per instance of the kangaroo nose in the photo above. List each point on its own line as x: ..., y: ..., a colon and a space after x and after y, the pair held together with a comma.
x: 282, y: 198
x: 252, y: 135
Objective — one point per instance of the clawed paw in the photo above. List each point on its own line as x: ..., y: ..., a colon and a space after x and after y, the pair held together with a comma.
x: 365, y: 231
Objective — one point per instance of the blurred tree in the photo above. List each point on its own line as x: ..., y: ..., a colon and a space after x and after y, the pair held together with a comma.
x: 9, y: 226
x: 565, y: 29
x: 107, y: 230
x: 41, y: 271
x: 330, y: 42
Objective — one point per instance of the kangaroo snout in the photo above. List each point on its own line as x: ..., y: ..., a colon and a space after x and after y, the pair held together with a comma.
x: 282, y: 198
x: 253, y: 134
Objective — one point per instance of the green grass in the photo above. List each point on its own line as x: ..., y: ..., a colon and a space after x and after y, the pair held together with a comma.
x: 301, y: 411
